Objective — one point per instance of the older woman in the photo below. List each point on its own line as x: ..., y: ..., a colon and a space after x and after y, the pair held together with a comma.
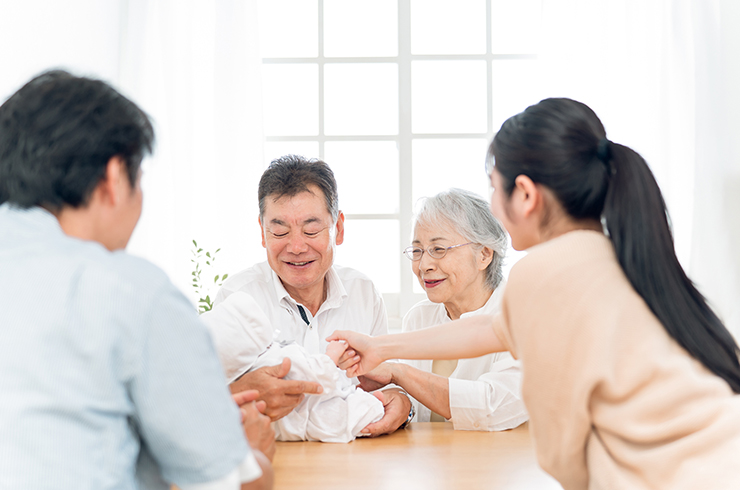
x: 456, y: 254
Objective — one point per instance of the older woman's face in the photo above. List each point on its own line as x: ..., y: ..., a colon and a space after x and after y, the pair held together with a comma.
x: 460, y: 274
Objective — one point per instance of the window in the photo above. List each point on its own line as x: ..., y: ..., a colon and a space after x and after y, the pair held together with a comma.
x: 400, y: 98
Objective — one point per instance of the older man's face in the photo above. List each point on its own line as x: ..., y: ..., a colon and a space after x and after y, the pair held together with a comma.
x: 300, y: 237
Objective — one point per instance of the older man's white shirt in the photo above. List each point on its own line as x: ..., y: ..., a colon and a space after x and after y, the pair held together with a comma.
x: 352, y: 303
x: 485, y: 392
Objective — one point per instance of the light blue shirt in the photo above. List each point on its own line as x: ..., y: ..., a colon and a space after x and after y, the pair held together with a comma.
x: 107, y: 378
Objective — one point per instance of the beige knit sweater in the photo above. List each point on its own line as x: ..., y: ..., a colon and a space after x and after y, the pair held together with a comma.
x: 614, y: 401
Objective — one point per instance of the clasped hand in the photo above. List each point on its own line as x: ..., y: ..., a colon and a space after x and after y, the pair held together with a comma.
x: 362, y: 354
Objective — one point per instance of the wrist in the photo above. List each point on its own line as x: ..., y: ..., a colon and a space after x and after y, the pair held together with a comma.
x: 397, y: 373
x: 382, y: 346
x: 412, y: 410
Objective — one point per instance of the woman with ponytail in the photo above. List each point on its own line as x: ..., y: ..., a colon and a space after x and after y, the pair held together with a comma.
x: 630, y: 379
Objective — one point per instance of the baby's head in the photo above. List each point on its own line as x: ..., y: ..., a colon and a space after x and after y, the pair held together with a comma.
x: 335, y: 349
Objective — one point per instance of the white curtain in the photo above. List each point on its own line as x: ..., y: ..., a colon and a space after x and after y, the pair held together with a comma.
x: 660, y: 74
x: 36, y: 35
x: 715, y: 238
x: 195, y: 67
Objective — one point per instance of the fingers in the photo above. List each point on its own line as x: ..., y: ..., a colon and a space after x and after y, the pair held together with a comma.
x: 261, y: 406
x: 379, y: 395
x: 337, y: 335
x: 258, y: 430
x: 357, y: 369
x: 279, y: 370
x: 378, y: 428
x: 246, y: 396
x: 366, y: 384
x: 346, y: 355
x: 284, y: 368
x: 276, y: 411
x: 396, y: 414
x: 348, y: 360
x: 297, y: 387
x: 353, y: 371
x: 374, y: 380
x: 341, y: 345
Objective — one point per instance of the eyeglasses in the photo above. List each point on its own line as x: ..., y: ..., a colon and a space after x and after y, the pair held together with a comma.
x: 435, y: 251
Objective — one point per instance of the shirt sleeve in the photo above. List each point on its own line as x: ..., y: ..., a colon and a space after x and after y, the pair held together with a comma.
x: 182, y: 408
x: 491, y: 402
x: 240, y: 331
x: 249, y: 470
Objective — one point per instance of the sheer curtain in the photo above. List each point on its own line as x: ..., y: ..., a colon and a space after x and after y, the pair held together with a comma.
x: 662, y: 76
x: 715, y: 239
x: 194, y: 66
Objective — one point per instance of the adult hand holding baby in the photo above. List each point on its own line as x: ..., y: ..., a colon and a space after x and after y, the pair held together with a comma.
x: 281, y: 396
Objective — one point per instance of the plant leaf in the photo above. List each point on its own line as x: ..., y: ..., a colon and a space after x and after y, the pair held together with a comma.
x: 223, y: 278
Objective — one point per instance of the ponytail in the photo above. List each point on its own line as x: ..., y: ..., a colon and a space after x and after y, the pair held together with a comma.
x: 562, y: 144
x: 637, y: 222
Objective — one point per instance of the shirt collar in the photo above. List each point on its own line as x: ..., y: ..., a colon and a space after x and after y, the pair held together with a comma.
x: 35, y: 216
x: 491, y: 305
x: 335, y: 294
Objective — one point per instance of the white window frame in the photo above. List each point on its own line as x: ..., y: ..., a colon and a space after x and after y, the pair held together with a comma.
x: 397, y: 304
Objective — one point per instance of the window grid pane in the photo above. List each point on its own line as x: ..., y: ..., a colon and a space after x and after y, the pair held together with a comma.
x: 455, y: 93
x: 361, y: 98
x: 448, y: 97
x: 436, y: 28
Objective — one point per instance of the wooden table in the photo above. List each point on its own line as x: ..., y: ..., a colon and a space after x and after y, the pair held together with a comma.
x: 423, y: 456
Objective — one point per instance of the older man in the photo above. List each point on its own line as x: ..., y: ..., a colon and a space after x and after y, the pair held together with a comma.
x: 107, y: 378
x: 303, y: 294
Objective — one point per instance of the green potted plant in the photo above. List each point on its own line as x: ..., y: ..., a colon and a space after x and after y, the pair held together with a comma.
x: 202, y: 287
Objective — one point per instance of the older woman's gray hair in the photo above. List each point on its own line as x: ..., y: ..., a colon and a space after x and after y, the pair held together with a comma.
x: 470, y: 216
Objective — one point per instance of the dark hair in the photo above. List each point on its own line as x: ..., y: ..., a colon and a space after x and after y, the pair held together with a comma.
x: 292, y: 174
x: 561, y: 144
x: 57, y: 134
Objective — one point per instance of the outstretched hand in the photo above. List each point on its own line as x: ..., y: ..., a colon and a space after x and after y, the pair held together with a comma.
x: 280, y: 395
x: 364, y: 346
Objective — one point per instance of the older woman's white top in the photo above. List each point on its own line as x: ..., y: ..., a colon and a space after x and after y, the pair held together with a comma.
x: 485, y: 392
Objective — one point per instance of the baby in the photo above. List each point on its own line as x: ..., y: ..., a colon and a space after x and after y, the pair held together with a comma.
x: 243, y: 338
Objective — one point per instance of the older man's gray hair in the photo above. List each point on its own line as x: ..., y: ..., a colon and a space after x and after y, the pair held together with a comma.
x: 470, y: 216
